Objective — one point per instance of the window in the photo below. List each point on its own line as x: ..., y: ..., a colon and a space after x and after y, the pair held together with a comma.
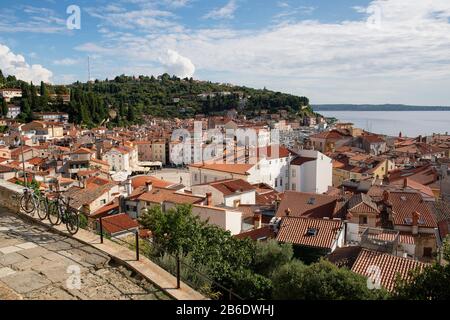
x: 103, y: 201
x: 195, y: 177
x: 312, y: 232
x: 276, y: 182
x: 363, y: 220
x: 427, y: 252
x: 294, y: 187
x: 293, y: 173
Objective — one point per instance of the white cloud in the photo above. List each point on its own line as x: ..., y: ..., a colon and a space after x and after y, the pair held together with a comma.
x: 178, y: 65
x: 15, y: 64
x: 177, y: 3
x: 142, y: 19
x: 66, y: 62
x: 225, y: 12
x: 395, y: 53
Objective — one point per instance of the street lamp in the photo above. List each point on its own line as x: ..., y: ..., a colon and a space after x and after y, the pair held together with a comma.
x: 23, y: 160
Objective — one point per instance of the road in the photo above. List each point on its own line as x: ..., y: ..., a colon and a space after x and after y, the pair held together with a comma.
x: 38, y: 264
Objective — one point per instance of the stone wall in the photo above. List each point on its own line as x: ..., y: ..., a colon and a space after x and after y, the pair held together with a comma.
x: 9, y: 195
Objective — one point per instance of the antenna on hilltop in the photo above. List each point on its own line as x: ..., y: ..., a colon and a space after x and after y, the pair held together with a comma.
x: 89, y: 69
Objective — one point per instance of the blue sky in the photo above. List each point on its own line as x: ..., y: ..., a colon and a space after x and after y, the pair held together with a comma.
x: 346, y: 51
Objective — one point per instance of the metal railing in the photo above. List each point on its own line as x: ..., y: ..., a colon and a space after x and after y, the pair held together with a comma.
x: 118, y: 239
x: 180, y: 269
x: 215, y: 291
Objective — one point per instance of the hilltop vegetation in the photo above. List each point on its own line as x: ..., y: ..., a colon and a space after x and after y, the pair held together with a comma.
x: 127, y: 100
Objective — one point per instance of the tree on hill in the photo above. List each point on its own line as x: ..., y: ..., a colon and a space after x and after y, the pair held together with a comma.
x: 4, y: 108
x: 26, y: 114
x: 2, y: 78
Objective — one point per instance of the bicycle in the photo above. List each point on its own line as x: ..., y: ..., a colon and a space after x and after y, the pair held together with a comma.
x: 42, y: 207
x: 59, y: 211
x: 29, y: 201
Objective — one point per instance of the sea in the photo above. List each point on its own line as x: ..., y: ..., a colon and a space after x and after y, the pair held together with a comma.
x: 392, y: 123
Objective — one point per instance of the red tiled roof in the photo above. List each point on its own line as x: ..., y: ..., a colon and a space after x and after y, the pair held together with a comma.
x: 362, y: 203
x: 390, y: 266
x: 140, y: 181
x: 83, y: 151
x: 157, y: 195
x: 229, y: 187
x: 307, y: 205
x: 409, y: 183
x: 118, y: 222
x: 295, y: 230
x: 425, y: 175
x: 301, y: 160
x: 257, y: 234
x: 404, y: 204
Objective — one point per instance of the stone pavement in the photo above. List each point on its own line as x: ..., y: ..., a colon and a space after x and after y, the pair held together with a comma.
x: 36, y: 263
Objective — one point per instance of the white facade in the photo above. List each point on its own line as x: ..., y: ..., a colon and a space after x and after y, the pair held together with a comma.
x: 311, y: 176
x: 8, y: 94
x: 229, y: 220
x: 118, y: 161
x: 13, y: 112
x: 218, y: 198
x: 273, y: 172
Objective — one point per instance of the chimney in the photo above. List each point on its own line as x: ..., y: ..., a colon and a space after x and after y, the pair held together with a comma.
x: 386, y: 195
x: 257, y: 219
x: 128, y: 187
x: 415, y: 223
x: 277, y: 202
x: 121, y: 204
x: 209, y: 199
x: 287, y: 212
x: 149, y: 186
x: 405, y: 183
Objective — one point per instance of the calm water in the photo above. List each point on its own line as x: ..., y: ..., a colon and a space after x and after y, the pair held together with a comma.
x: 410, y: 123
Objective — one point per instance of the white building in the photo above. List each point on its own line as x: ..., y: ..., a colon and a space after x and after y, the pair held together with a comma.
x: 121, y: 158
x: 311, y: 172
x: 13, y: 112
x: 9, y: 94
x: 230, y: 193
x: 269, y: 167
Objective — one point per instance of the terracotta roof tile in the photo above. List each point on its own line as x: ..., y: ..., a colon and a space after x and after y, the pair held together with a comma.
x: 390, y: 266
x: 307, y: 205
x: 318, y: 233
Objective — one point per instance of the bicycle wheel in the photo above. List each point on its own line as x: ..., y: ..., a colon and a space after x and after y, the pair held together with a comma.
x: 42, y: 208
x: 72, y: 222
x: 27, y: 204
x: 53, y: 213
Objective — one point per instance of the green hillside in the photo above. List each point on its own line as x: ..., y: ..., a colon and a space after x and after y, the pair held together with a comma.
x: 127, y: 100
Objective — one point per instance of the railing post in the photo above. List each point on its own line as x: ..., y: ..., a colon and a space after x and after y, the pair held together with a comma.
x: 137, y: 245
x: 178, y: 272
x: 101, y: 230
